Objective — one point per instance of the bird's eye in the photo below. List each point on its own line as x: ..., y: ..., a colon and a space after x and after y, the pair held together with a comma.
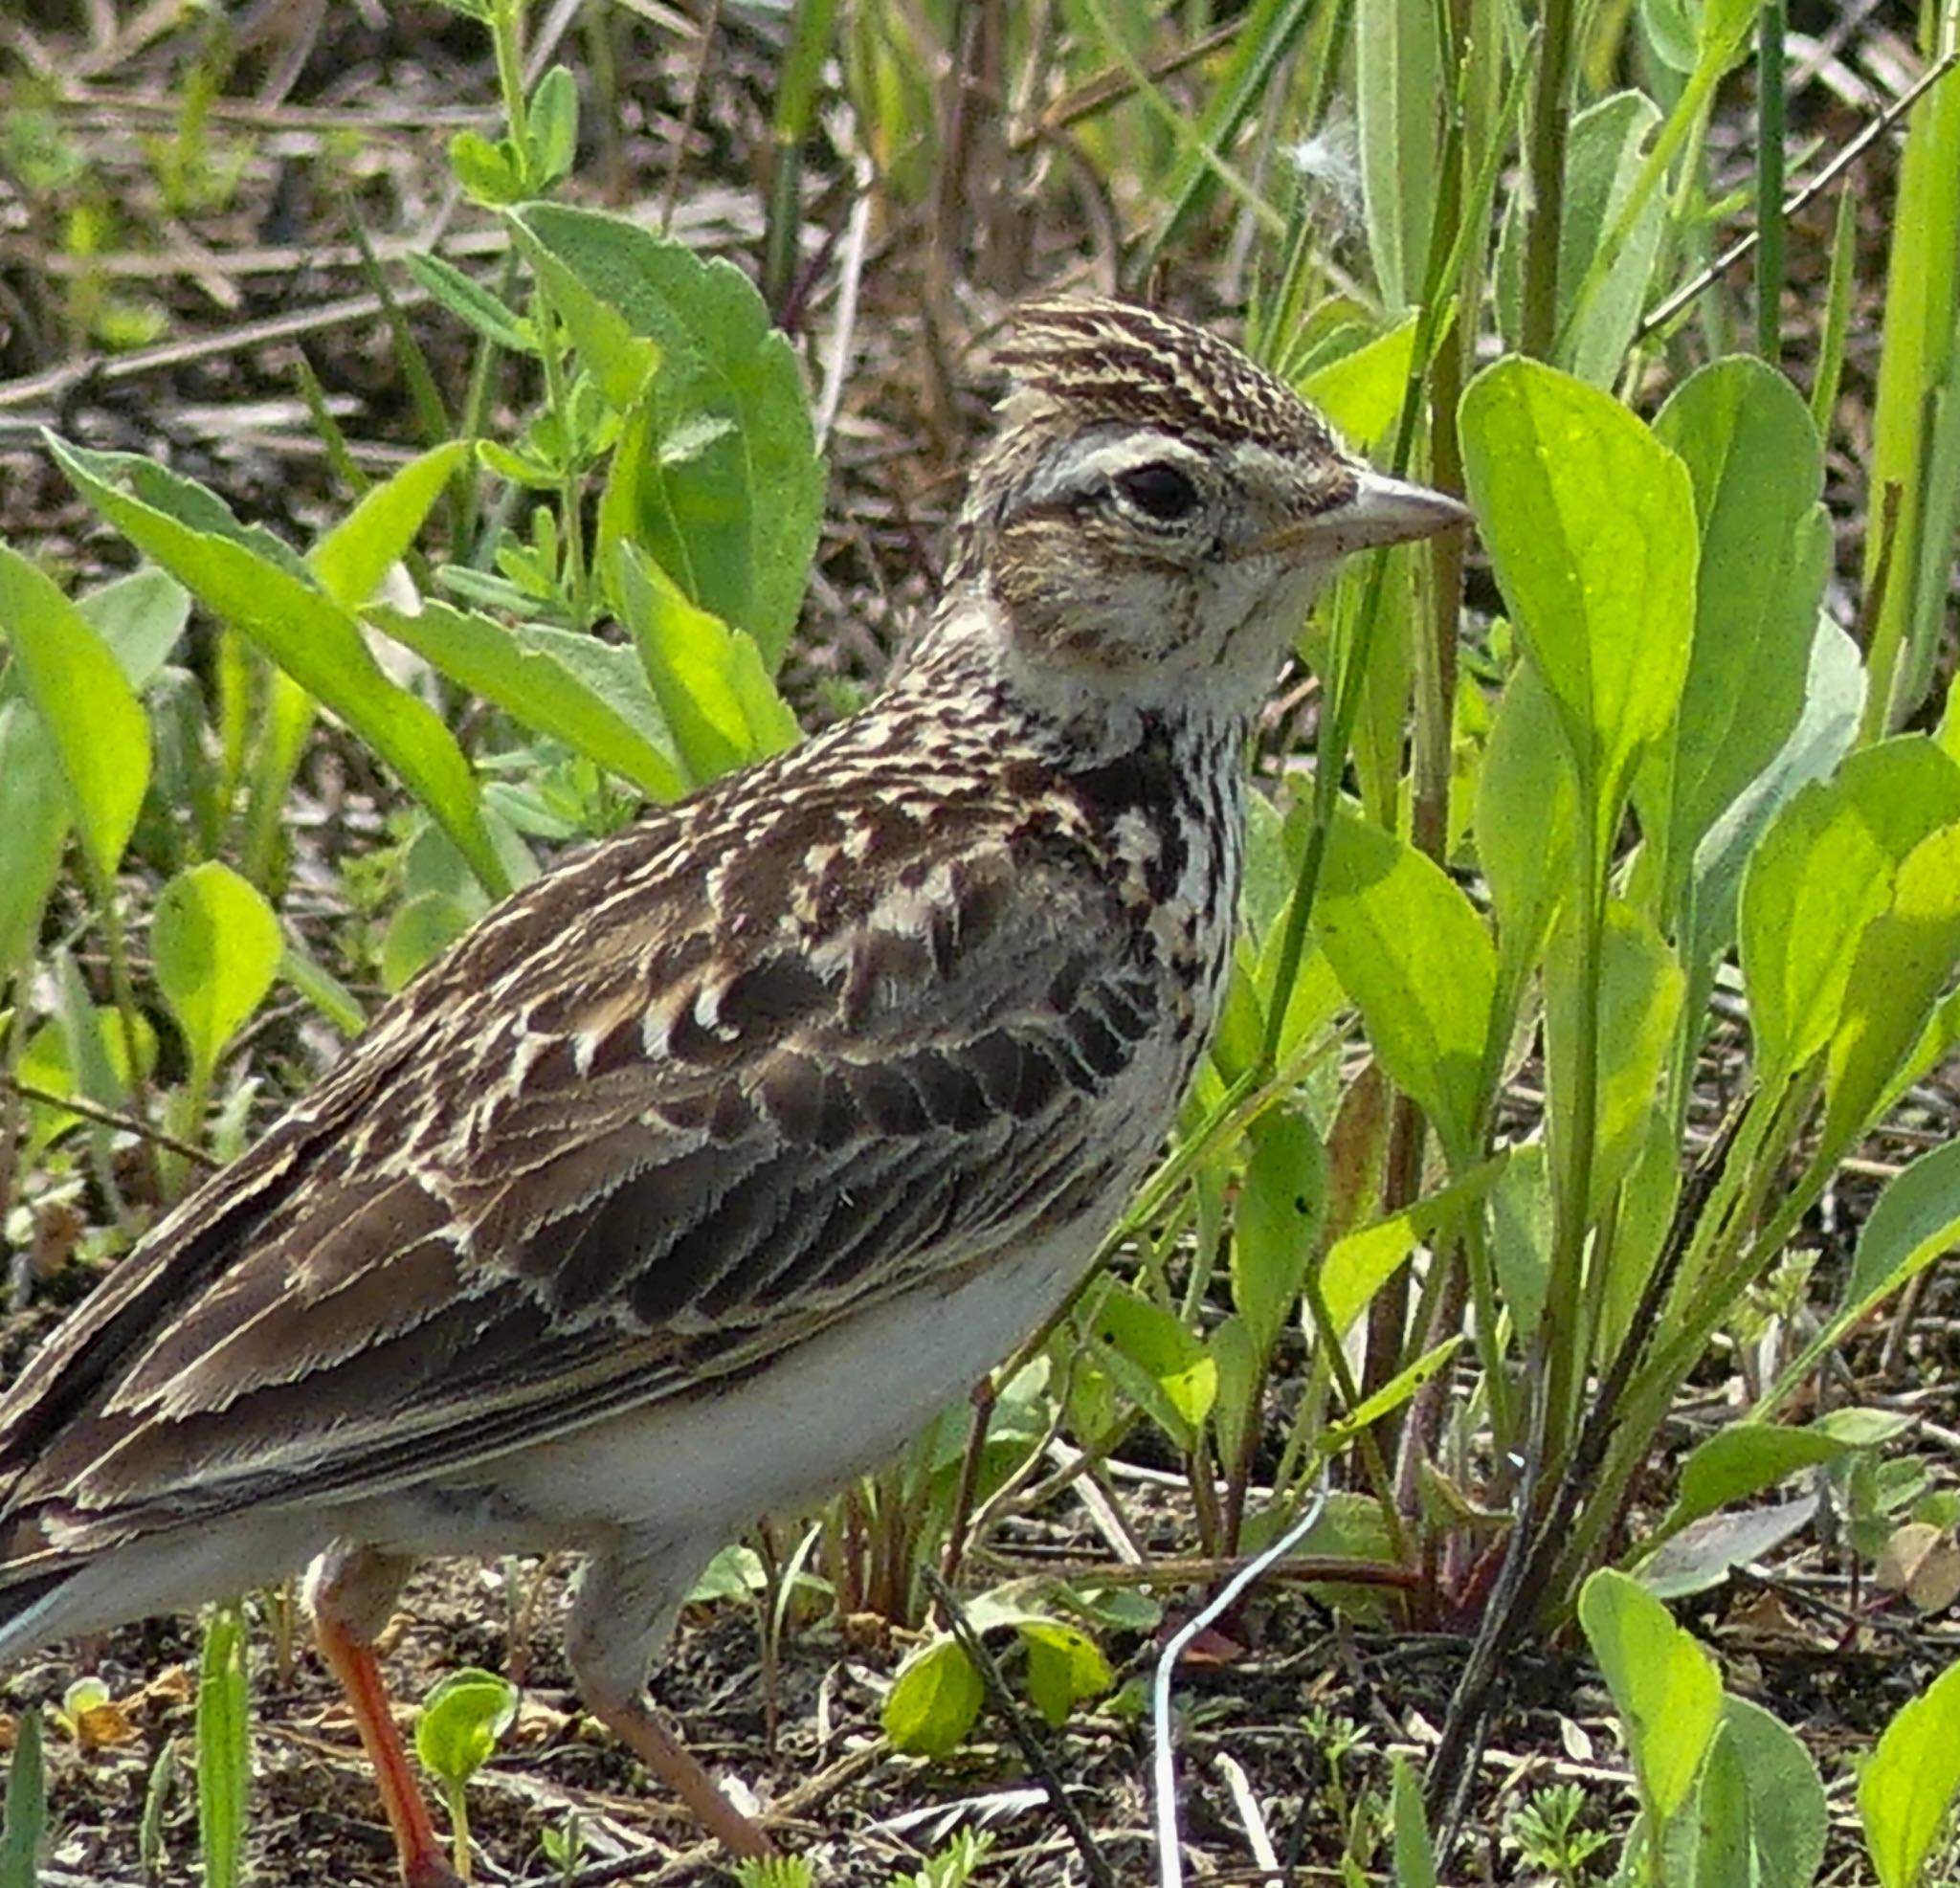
x: 1164, y: 492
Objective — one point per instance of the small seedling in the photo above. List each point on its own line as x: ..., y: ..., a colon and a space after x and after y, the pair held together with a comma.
x: 1550, y: 1840
x: 456, y: 1735
x: 564, y: 1844
x: 776, y: 1872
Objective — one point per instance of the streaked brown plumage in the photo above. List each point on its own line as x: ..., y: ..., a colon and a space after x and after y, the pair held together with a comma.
x: 703, y: 1170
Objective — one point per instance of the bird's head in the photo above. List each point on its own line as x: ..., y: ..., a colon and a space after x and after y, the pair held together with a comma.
x: 1157, y: 512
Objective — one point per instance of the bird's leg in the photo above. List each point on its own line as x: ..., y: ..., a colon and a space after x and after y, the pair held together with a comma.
x: 617, y: 1617
x: 349, y: 1590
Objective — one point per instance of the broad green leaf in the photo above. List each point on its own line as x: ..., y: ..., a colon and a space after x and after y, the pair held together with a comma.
x: 1834, y: 703
x: 1915, y: 1220
x: 1159, y: 1364
x: 1745, y: 1459
x: 1358, y: 1264
x: 1065, y: 1668
x: 544, y: 679
x: 34, y: 832
x: 735, y: 523
x: 1724, y: 1843
x: 1907, y: 1788
x: 100, y: 733
x: 1639, y: 994
x: 1362, y: 392
x: 1787, y: 1816
x: 141, y: 618
x: 1590, y: 525
x: 933, y: 1701
x: 1746, y: 437
x: 1663, y: 1684
x: 710, y: 678
x: 250, y: 580
x: 1398, y: 80
x: 461, y: 1721
x: 1904, y: 958
x: 1822, y: 874
x: 1414, y: 957
x: 216, y: 946
x: 350, y: 561
x: 1602, y: 163
x: 1603, y: 160
x: 1527, y: 815
x: 1277, y: 1226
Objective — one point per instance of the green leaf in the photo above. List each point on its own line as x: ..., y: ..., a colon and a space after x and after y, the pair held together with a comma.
x: 422, y: 929
x: 1904, y: 958
x: 478, y: 307
x: 1064, y: 1667
x: 1907, y: 1788
x: 1744, y: 1459
x: 1914, y: 1221
x: 141, y: 618
x: 350, y: 561
x: 24, y: 1819
x: 1359, y: 1262
x: 99, y: 734
x: 1590, y: 525
x: 1527, y: 815
x: 735, y: 524
x: 1757, y: 467
x: 1834, y: 703
x: 1362, y: 392
x: 1664, y: 1685
x: 1639, y: 997
x: 1277, y: 1228
x: 216, y: 946
x: 247, y: 578
x: 1602, y: 165
x: 1398, y: 77
x: 1724, y: 1841
x: 554, y: 127
x: 461, y: 1721
x: 933, y: 1701
x: 1821, y: 876
x: 710, y: 678
x: 1389, y: 1397
x: 490, y: 173
x: 545, y: 678
x: 224, y: 1757
x: 1414, y: 957
x: 1786, y: 1815
x: 1160, y: 1365
x: 1415, y: 1853
x: 34, y: 832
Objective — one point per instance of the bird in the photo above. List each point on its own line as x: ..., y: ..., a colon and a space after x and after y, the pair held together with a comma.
x: 701, y: 1172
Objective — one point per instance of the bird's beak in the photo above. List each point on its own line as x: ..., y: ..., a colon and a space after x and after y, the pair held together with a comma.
x: 1383, y: 511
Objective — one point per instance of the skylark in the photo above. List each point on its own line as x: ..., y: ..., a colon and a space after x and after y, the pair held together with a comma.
x: 707, y: 1169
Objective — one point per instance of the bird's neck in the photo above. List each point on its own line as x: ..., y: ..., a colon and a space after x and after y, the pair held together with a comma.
x: 1075, y: 713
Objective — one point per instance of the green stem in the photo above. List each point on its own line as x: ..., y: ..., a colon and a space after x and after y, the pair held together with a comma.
x: 1560, y: 1337
x: 1769, y: 126
x: 1550, y: 122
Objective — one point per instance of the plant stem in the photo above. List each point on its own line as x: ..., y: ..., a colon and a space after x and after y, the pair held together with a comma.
x: 1550, y: 121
